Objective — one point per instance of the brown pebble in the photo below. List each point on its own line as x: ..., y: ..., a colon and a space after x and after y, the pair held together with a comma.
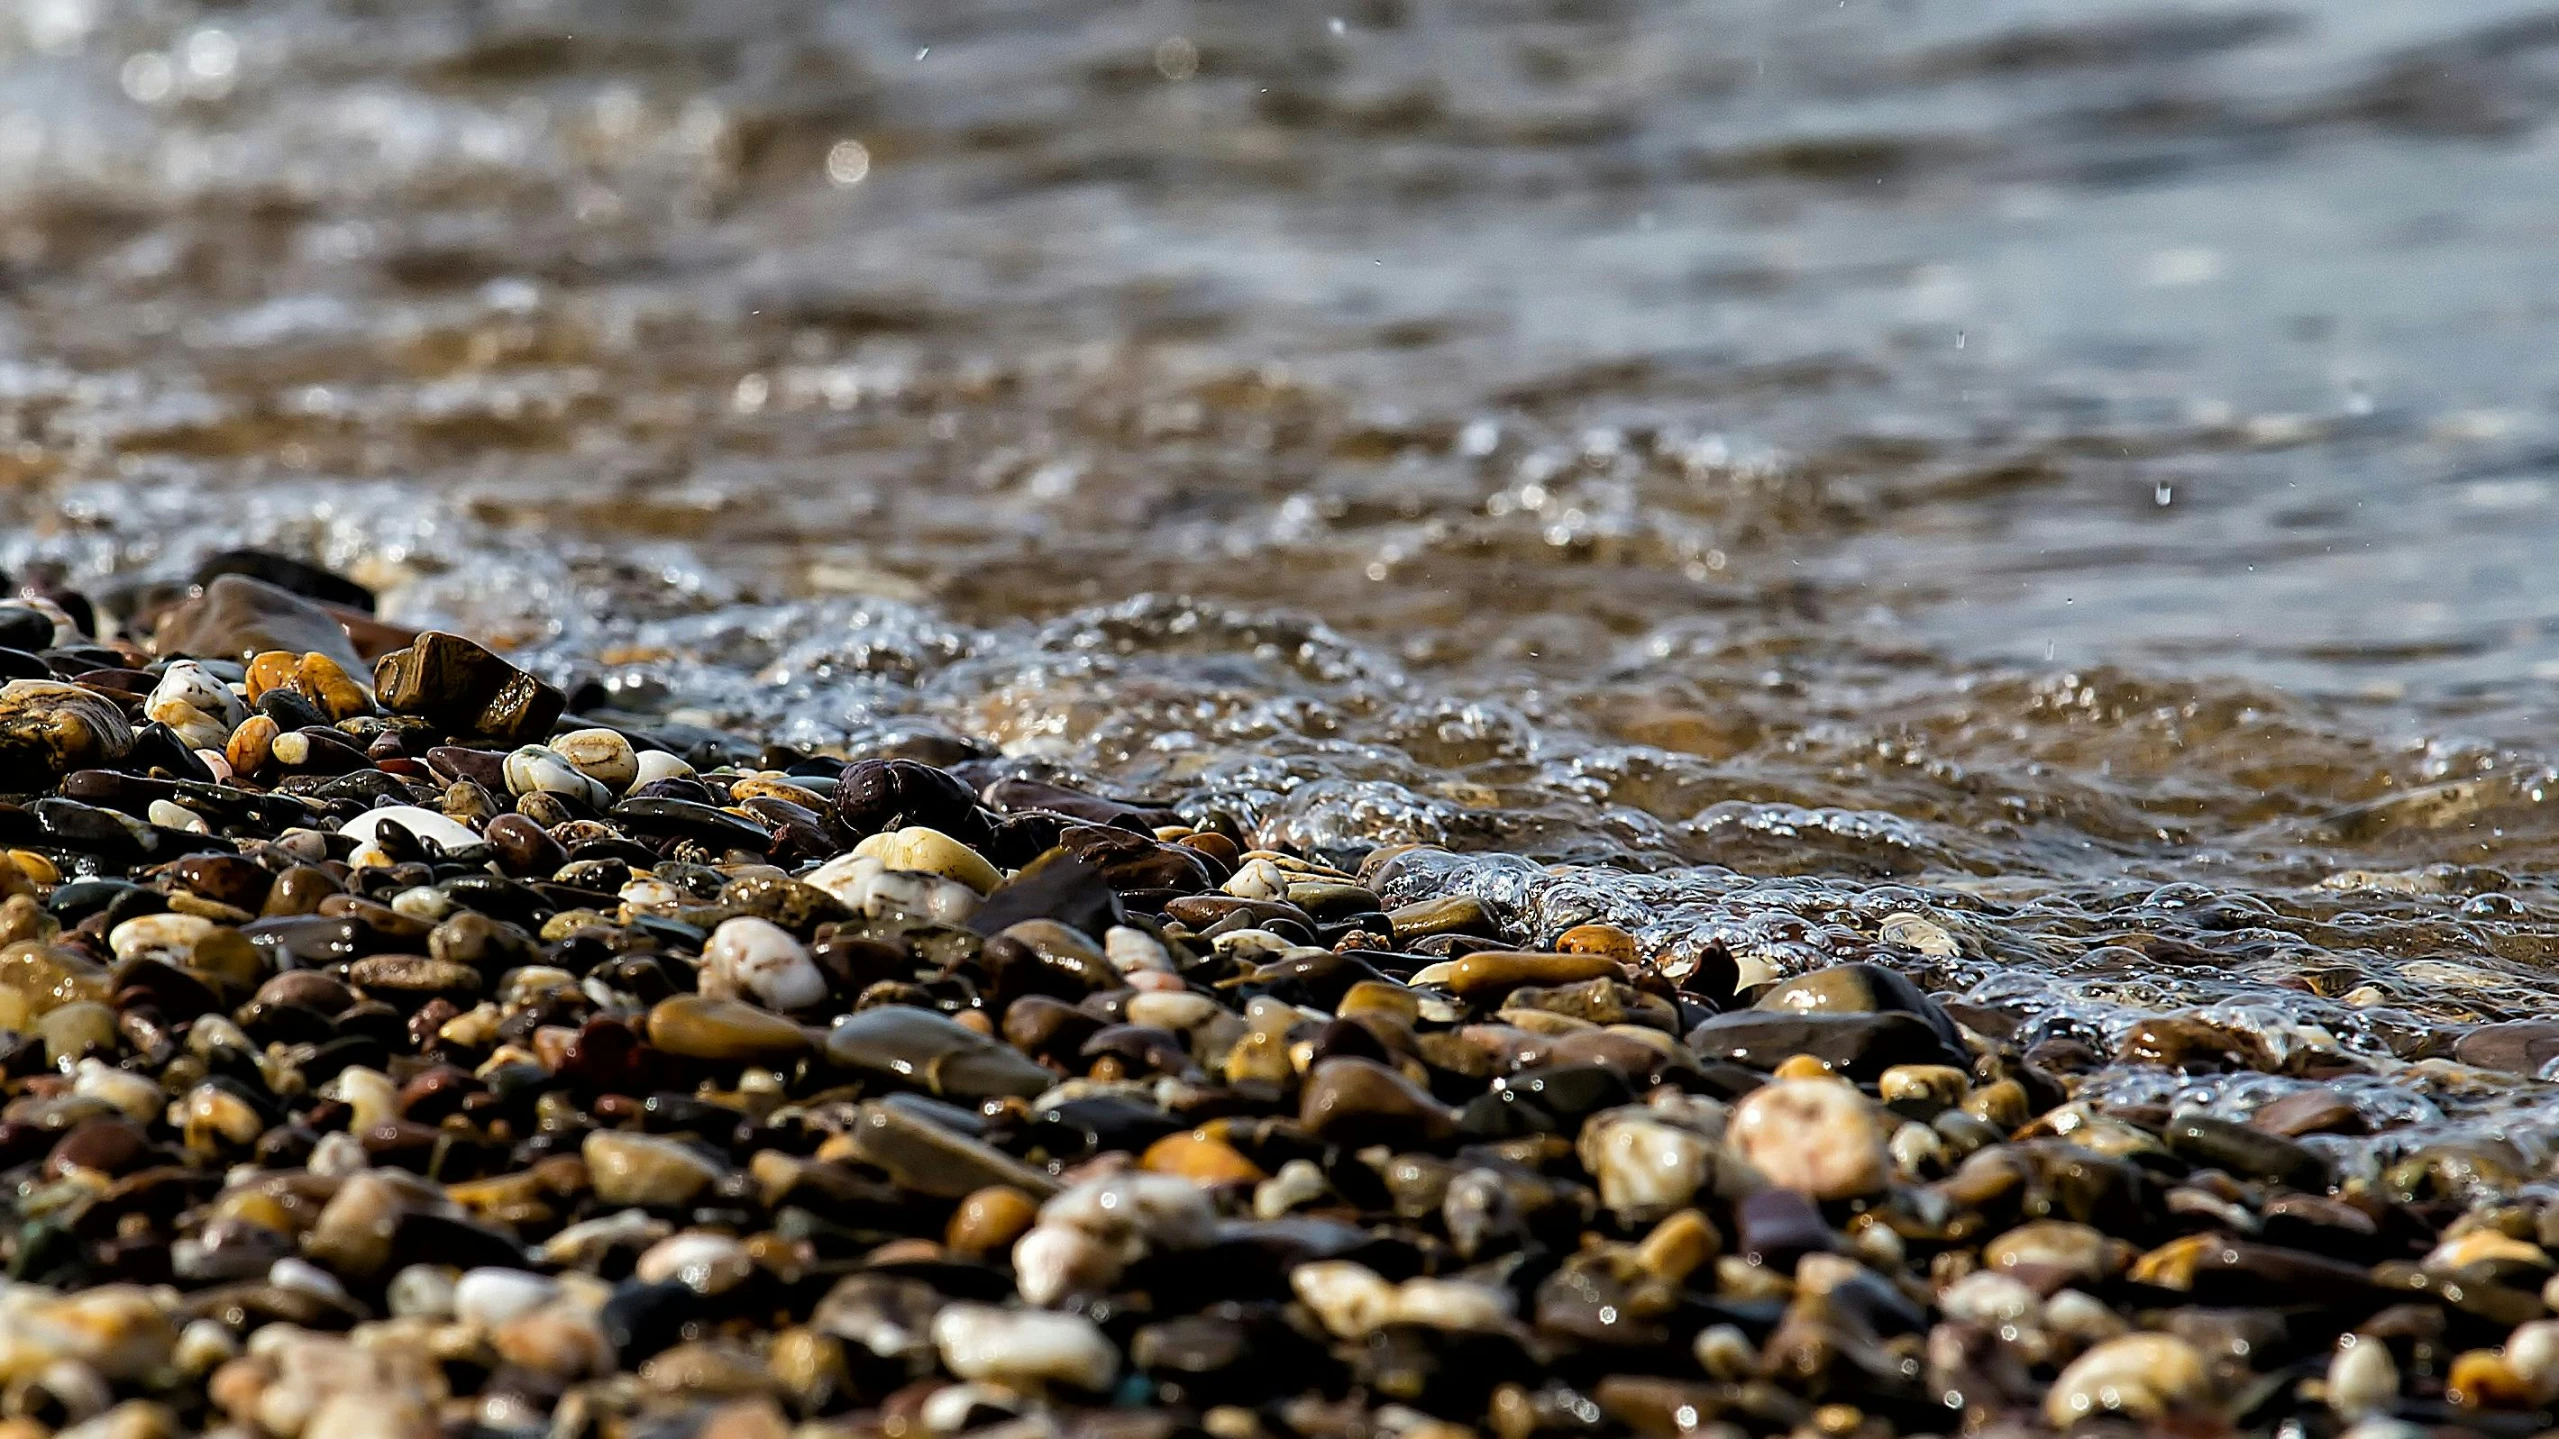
x: 1600, y: 939
x: 1496, y: 971
x: 2310, y: 1111
x: 989, y: 1220
x: 698, y: 1028
x: 1357, y: 1102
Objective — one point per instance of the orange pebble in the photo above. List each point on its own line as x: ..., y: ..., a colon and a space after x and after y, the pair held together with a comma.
x: 251, y: 745
x: 1200, y: 1158
x: 1605, y: 939
x: 326, y: 684
x: 990, y: 1219
x: 273, y: 669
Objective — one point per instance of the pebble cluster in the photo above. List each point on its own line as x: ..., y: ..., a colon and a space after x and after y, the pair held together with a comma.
x: 390, y: 1053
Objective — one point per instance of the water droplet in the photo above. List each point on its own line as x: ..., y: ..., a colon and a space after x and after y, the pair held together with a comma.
x: 848, y: 162
x: 2162, y: 494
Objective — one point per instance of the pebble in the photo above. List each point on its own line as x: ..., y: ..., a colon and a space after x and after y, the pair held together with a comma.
x: 49, y: 729
x: 646, y: 1170
x: 425, y: 824
x: 1024, y: 1347
x: 618, y: 1095
x: 922, y: 849
x: 1815, y: 1136
x: 756, y: 959
x: 2363, y: 1380
x: 2146, y: 1378
x: 705, y: 1262
x: 534, y: 769
x: 604, y: 756
x: 487, y: 1298
x: 463, y: 688
x: 1357, y: 1101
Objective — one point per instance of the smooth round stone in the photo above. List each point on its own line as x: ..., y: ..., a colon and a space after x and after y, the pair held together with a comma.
x: 422, y: 1290
x: 989, y: 1219
x: 1201, y: 1160
x: 602, y: 755
x: 488, y: 1298
x: 937, y: 1053
x: 1647, y: 1168
x: 2143, y: 1377
x: 1022, y: 1347
x: 2517, y: 1046
x: 538, y: 769
x: 73, y: 1031
x: 1353, y: 1101
x: 2202, y: 1139
x: 1859, y: 989
x: 158, y: 934
x: 657, y: 764
x: 2310, y: 1111
x: 925, y: 850
x: 421, y: 822
x: 700, y: 1260
x: 2077, y: 1250
x: 758, y: 958
x: 1818, y: 1137
x: 724, y: 1029
x: 646, y: 1170
x: 1454, y: 914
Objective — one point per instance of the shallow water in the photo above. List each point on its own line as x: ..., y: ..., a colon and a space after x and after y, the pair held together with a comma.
x: 2081, y: 472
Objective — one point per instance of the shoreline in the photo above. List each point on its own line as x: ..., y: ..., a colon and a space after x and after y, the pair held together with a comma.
x: 391, y: 1052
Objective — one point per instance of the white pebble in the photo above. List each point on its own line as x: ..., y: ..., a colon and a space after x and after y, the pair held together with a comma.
x: 1258, y: 879
x: 1645, y: 1167
x: 137, y: 1097
x: 1024, y: 1346
x: 305, y: 1276
x: 2144, y: 1377
x: 422, y: 1290
x: 702, y: 1261
x: 424, y: 823
x: 1818, y: 1137
x: 158, y: 934
x: 2363, y: 1379
x: 657, y: 764
x: 423, y: 901
x: 1053, y: 1261
x: 1136, y: 1212
x: 338, y: 1154
x: 1131, y: 950
x: 601, y: 755
x: 490, y: 1297
x: 169, y: 814
x: 534, y: 767
x: 755, y: 958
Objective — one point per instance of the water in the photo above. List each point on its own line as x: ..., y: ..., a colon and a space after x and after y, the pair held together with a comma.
x: 2079, y: 472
